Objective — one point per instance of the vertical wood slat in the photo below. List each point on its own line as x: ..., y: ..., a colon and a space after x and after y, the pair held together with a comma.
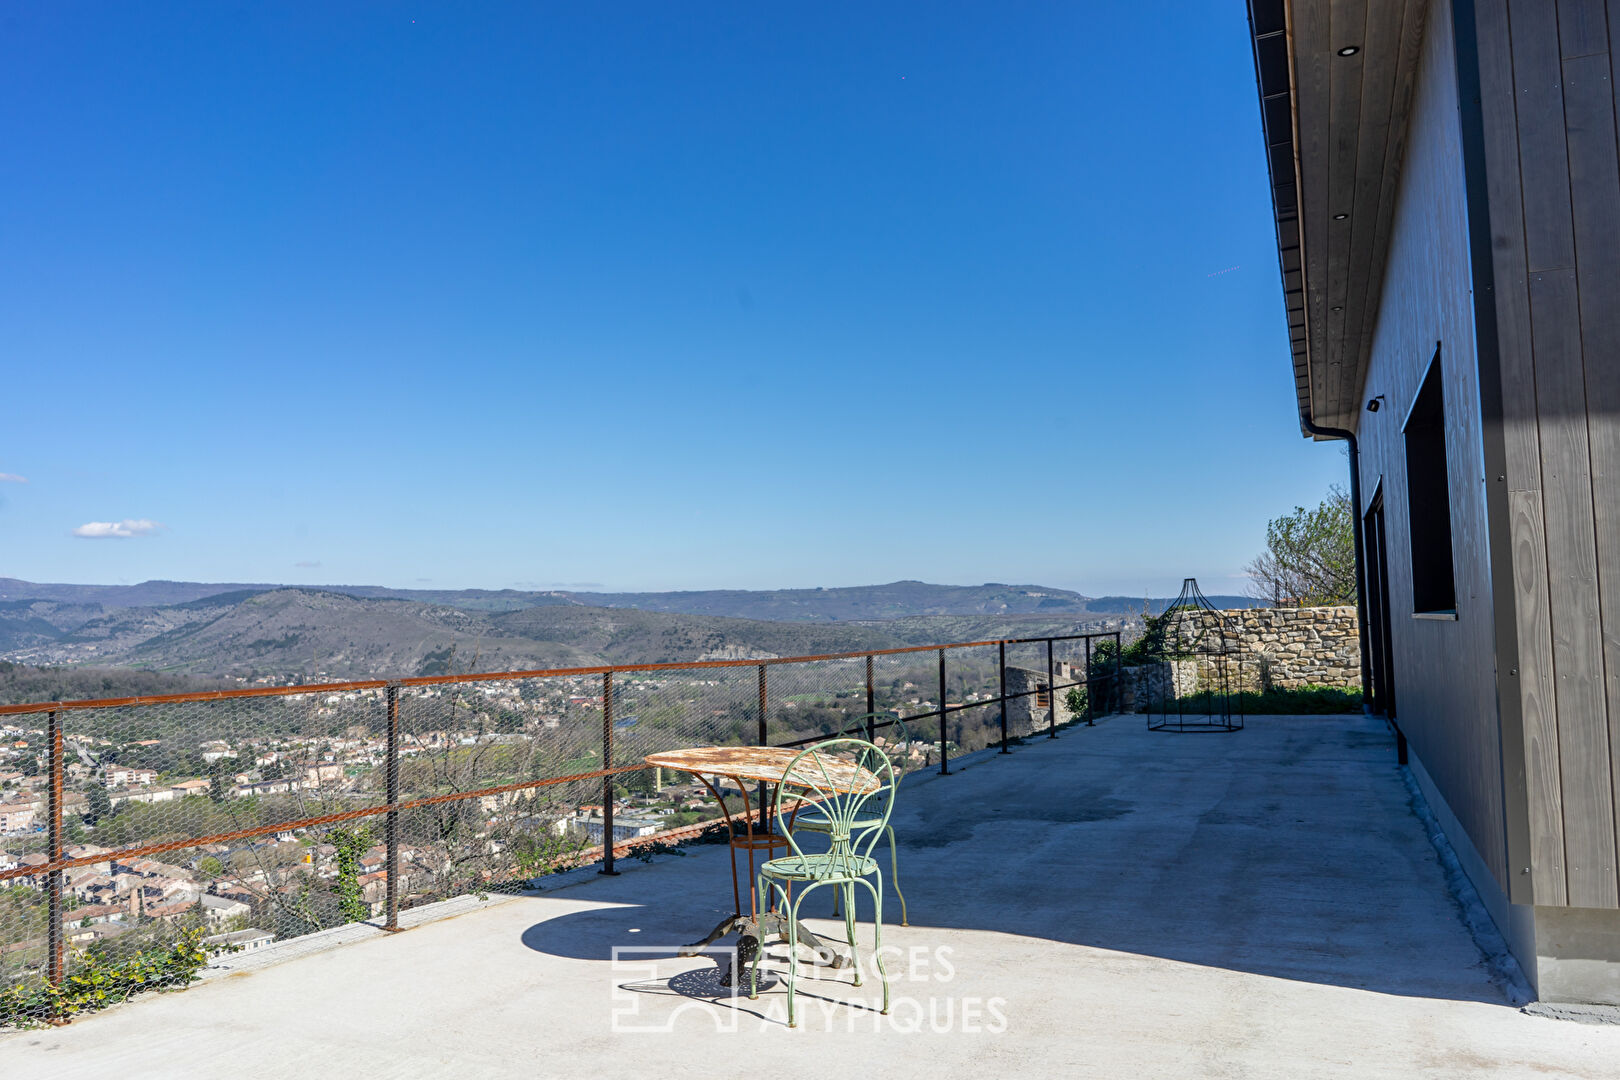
x: 1533, y: 682
x: 1603, y: 397
x: 1525, y: 668
x: 1582, y: 29
x: 1594, y: 172
x: 1549, y: 229
x: 1588, y: 797
x: 1510, y: 259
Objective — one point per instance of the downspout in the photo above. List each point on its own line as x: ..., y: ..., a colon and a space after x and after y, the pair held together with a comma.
x: 1361, y: 558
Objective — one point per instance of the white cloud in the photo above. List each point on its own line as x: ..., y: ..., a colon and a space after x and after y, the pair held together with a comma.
x: 116, y: 530
x: 12, y: 478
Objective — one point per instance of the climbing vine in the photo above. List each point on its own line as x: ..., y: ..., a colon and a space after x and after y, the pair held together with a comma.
x: 351, y: 845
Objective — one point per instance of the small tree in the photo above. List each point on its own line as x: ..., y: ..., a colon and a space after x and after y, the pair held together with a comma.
x: 220, y: 772
x: 1310, y: 556
x: 99, y: 803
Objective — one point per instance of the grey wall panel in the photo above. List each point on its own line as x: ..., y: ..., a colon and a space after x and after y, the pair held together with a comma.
x: 1444, y: 672
x: 1573, y: 591
x: 1594, y: 178
x: 1553, y: 181
x: 1543, y: 788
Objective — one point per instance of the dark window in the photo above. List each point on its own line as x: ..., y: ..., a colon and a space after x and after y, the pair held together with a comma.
x: 1043, y: 696
x: 1428, y: 498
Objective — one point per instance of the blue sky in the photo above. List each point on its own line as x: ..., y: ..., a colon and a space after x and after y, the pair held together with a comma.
x: 640, y: 295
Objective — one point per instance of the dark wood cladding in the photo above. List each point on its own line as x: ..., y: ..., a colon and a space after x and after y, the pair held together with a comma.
x: 1550, y: 204
x: 1443, y: 669
x: 1457, y: 184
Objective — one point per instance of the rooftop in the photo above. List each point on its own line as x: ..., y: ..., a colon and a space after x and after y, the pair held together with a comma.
x: 1113, y: 902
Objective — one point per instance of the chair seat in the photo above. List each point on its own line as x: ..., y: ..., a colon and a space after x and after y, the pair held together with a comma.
x: 816, y: 822
x: 820, y: 867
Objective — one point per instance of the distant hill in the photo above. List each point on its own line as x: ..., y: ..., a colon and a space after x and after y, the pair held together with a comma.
x: 938, y: 629
x: 242, y: 631
x: 1157, y: 604
x: 865, y: 602
x: 895, y: 600
x: 147, y: 593
x: 621, y: 635
x: 313, y: 634
x: 858, y: 603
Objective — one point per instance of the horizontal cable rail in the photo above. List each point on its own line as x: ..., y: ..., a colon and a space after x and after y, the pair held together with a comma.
x: 428, y: 744
x: 498, y: 676
x: 304, y: 823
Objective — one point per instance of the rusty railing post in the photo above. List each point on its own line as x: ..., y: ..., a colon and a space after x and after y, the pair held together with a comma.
x: 391, y: 821
x: 871, y: 702
x: 760, y: 719
x: 1003, y: 662
x: 54, y: 935
x: 759, y: 791
x: 607, y: 777
x: 944, y: 754
x: 1091, y: 704
x: 1119, y: 673
x: 1051, y: 693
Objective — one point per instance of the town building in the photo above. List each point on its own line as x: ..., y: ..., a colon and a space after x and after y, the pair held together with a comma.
x: 1030, y: 697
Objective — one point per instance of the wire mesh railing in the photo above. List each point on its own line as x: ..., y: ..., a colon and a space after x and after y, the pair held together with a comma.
x: 137, y: 834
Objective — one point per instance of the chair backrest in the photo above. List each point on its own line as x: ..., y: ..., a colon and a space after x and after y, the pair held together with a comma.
x: 847, y: 779
x: 885, y: 725
x: 867, y: 725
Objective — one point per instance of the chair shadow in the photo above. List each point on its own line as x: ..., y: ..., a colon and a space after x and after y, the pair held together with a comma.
x: 1245, y: 873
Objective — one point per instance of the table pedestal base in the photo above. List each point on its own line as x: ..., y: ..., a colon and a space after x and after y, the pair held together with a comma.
x: 753, y: 931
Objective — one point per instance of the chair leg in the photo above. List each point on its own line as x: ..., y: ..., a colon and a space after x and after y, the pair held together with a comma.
x: 793, y: 950
x: 848, y: 889
x: 877, y: 936
x: 753, y: 968
x: 894, y: 873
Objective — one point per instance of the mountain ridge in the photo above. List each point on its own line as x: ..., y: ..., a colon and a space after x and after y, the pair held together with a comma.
x: 855, y: 603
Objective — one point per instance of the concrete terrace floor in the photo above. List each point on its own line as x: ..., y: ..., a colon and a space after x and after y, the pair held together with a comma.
x: 1115, y: 903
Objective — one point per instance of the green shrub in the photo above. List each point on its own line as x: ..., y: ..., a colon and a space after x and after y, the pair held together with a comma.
x: 1306, y: 700
x: 96, y: 982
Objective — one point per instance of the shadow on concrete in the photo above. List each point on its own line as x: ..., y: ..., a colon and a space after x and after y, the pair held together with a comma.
x: 1288, y: 850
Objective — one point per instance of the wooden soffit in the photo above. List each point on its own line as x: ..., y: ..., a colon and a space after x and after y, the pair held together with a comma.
x: 1335, y: 129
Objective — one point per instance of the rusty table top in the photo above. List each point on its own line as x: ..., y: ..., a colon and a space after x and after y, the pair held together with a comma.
x: 768, y: 764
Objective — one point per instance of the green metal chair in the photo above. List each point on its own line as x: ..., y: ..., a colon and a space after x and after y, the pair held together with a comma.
x: 812, y: 820
x: 847, y: 780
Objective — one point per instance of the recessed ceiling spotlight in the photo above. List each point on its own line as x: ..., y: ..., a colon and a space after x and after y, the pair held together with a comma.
x: 1340, y: 308
x: 1350, y: 50
x: 1340, y: 217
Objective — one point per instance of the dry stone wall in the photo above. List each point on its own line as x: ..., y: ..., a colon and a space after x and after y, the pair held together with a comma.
x: 1292, y: 647
x: 1281, y: 648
